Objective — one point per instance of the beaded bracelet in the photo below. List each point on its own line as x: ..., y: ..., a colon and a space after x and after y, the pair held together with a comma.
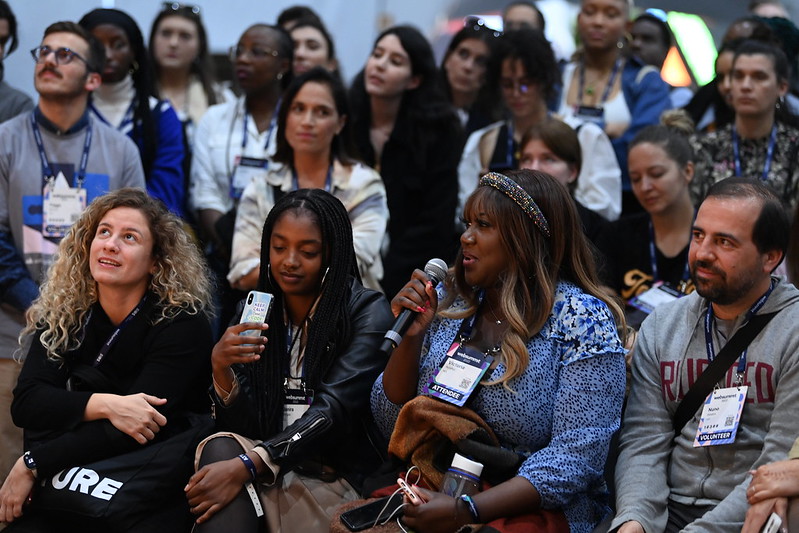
x: 250, y: 465
x: 472, y: 507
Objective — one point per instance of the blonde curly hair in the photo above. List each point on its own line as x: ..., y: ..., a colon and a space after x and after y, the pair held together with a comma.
x: 180, y: 278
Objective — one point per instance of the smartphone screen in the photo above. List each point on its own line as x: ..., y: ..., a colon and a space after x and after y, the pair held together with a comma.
x: 365, y: 516
x: 256, y: 309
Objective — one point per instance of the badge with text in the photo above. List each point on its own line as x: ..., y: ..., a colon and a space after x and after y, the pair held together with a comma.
x: 721, y: 416
x: 591, y: 114
x: 246, y: 169
x: 459, y: 375
x: 296, y: 404
x: 61, y: 206
x: 655, y: 296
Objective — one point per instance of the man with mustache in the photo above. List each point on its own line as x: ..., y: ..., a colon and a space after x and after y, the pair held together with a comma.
x: 54, y: 160
x: 697, y: 480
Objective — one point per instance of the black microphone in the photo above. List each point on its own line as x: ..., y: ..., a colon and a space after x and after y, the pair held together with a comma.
x: 436, y: 270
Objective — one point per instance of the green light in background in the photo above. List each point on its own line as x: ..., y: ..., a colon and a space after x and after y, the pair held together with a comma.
x: 696, y: 43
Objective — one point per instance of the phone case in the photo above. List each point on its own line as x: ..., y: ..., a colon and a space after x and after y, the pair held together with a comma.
x: 257, y: 307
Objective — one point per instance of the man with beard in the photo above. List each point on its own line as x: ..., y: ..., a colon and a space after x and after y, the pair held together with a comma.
x: 697, y: 480
x: 54, y: 160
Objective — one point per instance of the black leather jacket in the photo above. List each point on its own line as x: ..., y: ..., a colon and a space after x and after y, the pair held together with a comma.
x: 337, y: 430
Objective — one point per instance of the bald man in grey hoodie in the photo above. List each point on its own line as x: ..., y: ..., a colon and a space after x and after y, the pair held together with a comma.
x: 665, y: 483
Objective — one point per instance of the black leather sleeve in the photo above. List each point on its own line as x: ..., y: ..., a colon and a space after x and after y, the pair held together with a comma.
x: 343, y: 395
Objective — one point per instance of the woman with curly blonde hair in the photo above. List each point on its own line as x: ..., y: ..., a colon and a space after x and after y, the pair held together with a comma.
x: 119, y: 349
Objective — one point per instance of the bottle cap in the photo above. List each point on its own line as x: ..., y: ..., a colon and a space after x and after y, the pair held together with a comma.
x: 467, y: 465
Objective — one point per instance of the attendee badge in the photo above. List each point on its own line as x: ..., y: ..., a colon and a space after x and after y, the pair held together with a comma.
x: 61, y: 206
x: 721, y: 416
x: 295, y: 405
x: 591, y: 114
x: 246, y: 169
x: 655, y: 296
x: 459, y: 374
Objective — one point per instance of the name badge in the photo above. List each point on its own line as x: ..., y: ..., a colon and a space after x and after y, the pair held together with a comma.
x: 296, y: 404
x: 61, y: 206
x: 655, y: 296
x: 245, y: 170
x: 459, y: 374
x: 591, y: 114
x: 721, y: 416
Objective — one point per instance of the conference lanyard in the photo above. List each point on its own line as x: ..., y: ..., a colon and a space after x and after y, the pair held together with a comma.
x: 608, y: 87
x: 47, y: 170
x: 736, y: 150
x: 653, y: 258
x: 115, y: 335
x: 711, y: 350
x: 295, y: 180
x: 272, y: 124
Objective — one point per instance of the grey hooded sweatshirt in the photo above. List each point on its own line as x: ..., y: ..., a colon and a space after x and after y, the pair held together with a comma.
x: 670, y: 354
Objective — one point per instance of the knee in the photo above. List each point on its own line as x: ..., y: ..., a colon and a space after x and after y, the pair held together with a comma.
x: 219, y: 449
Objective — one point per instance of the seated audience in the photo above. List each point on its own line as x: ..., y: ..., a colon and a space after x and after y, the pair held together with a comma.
x: 522, y: 299
x: 527, y: 74
x: 123, y: 101
x: 294, y: 408
x: 650, y: 247
x: 683, y: 465
x: 313, y: 146
x: 762, y: 141
x: 621, y: 95
x: 119, y: 356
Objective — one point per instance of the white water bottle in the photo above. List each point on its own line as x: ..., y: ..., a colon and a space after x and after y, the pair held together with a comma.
x: 463, y: 477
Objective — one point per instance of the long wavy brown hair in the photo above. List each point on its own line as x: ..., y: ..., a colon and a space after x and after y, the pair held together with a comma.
x: 535, y: 263
x: 180, y: 279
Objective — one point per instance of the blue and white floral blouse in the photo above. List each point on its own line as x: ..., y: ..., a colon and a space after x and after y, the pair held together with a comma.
x: 561, y: 413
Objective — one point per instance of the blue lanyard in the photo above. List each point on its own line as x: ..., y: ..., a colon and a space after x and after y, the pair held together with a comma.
x: 653, y: 258
x: 115, y: 335
x: 272, y: 124
x: 736, y: 150
x: 47, y: 170
x: 608, y: 87
x: 295, y: 180
x: 127, y: 118
x: 711, y: 350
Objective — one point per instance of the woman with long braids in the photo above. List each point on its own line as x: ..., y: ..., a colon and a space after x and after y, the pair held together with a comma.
x: 124, y: 102
x: 523, y: 300
x: 293, y: 405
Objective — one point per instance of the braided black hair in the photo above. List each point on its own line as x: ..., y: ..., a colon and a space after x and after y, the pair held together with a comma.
x: 330, y: 329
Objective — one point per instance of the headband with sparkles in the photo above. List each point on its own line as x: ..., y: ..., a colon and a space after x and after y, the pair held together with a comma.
x: 514, y: 191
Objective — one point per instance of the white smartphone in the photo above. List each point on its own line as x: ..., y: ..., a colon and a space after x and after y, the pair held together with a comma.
x: 773, y: 524
x: 256, y: 309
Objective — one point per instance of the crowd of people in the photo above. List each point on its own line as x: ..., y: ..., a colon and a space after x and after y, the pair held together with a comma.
x: 615, y: 320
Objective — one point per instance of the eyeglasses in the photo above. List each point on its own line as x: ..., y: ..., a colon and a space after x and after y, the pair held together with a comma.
x: 62, y: 56
x: 236, y: 52
x: 524, y: 85
x: 177, y: 6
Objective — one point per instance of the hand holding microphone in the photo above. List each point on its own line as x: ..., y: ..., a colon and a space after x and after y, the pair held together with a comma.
x: 415, y: 298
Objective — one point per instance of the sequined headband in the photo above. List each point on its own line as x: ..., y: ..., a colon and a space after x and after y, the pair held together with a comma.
x: 515, y: 192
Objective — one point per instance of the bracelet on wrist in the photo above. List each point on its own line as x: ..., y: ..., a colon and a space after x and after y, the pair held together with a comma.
x: 250, y: 466
x: 465, y: 498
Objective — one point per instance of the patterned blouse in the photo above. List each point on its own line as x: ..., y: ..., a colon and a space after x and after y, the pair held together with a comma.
x: 715, y: 160
x: 563, y: 410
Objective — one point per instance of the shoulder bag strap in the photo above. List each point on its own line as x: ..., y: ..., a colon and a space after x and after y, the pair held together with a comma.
x: 703, y: 386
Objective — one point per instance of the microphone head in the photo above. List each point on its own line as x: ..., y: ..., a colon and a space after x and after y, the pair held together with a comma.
x: 436, y: 269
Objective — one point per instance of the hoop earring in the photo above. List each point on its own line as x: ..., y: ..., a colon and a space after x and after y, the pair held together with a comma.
x: 324, y: 277
x: 134, y: 67
x: 269, y: 274
x: 279, y: 76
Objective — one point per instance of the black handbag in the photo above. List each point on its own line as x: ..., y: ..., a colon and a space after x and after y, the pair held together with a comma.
x: 117, y: 492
